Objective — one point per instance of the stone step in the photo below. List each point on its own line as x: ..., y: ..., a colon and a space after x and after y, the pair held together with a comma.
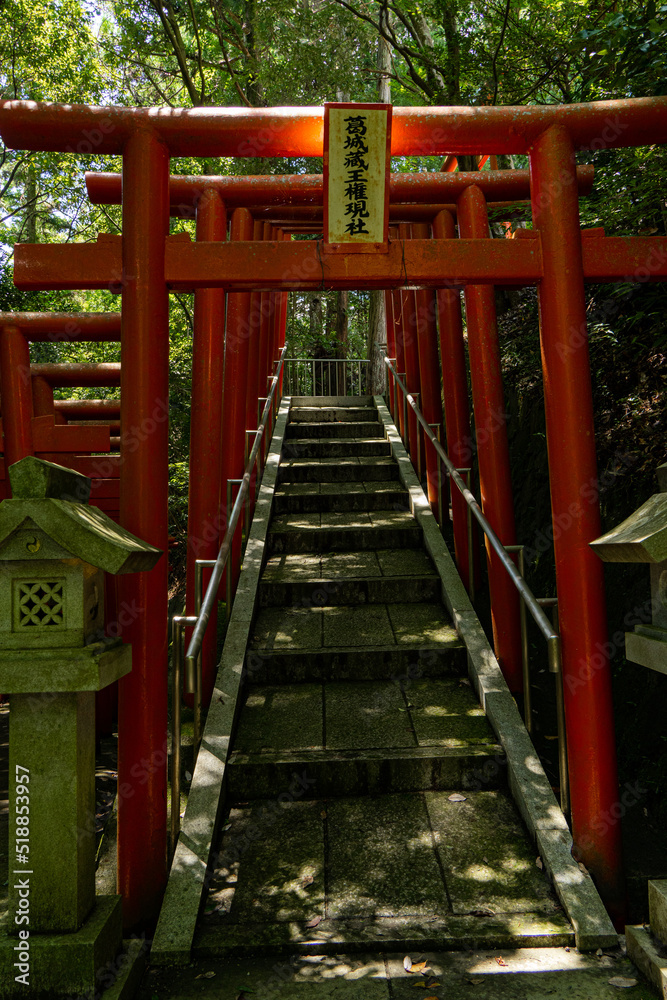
x: 367, y: 429
x: 326, y: 592
x: 657, y: 909
x: 365, y: 737
x: 336, y: 470
x: 319, y: 401
x: 356, y: 630
x: 341, y: 663
x: 649, y: 955
x: 346, y: 532
x: 366, y: 772
x: 393, y: 872
x: 336, y: 448
x: 326, y: 414
x: 311, y: 498
x: 467, y: 974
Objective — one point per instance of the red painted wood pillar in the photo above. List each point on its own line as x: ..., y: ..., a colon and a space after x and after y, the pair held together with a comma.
x: 279, y: 236
x: 411, y: 356
x: 455, y: 394
x: 576, y: 518
x: 206, y: 430
x: 254, y: 327
x: 491, y: 439
x: 429, y: 371
x: 391, y: 349
x: 42, y: 399
x: 265, y: 336
x: 252, y: 389
x: 237, y: 354
x: 142, y: 723
x: 16, y: 393
x: 282, y: 327
x: 397, y: 313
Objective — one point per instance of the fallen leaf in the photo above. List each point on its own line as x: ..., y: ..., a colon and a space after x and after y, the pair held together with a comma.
x: 308, y: 880
x: 421, y: 985
x: 188, y: 776
x: 477, y: 981
x: 501, y: 961
x: 621, y: 983
x: 407, y: 963
x: 464, y: 680
x: 430, y: 998
x: 205, y: 975
x: 582, y: 867
x: 314, y: 922
x: 456, y: 797
x: 539, y: 862
x: 599, y: 953
x: 418, y: 967
x: 434, y: 985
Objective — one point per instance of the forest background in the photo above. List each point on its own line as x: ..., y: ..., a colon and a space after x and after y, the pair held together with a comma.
x: 257, y: 53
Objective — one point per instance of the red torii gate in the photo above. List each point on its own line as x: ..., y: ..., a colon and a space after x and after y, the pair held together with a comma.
x: 148, y: 265
x: 207, y: 198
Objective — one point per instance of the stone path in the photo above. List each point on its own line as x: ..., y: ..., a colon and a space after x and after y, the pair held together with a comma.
x: 369, y: 801
x: 522, y: 974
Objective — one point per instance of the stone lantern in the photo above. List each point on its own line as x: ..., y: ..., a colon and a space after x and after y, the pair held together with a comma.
x: 642, y: 537
x: 54, y: 656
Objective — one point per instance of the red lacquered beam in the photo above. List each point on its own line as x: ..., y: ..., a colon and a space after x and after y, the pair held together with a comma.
x: 295, y: 265
x: 91, y: 409
x: 299, y: 132
x: 79, y: 374
x: 69, y: 327
x: 296, y: 190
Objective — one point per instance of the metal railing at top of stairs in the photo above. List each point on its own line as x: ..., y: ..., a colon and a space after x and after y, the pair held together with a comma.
x: 528, y: 600
x: 204, y: 605
x: 327, y: 376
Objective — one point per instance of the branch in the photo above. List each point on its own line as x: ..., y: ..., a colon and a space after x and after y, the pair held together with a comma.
x: 188, y: 315
x: 11, y: 176
x: 199, y: 53
x: 496, y: 53
x: 393, y: 76
x: 171, y: 30
x: 232, y: 74
x: 19, y: 209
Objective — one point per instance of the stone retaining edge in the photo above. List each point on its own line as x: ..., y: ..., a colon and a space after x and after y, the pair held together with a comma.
x: 182, y: 901
x: 528, y: 783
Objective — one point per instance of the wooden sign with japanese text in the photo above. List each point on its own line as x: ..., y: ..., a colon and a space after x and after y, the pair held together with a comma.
x: 357, y: 161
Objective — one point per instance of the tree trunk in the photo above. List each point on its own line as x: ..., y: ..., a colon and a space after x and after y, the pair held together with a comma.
x: 377, y: 320
x: 31, y: 211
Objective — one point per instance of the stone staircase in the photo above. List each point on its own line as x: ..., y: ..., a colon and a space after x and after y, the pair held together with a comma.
x: 367, y: 804
x: 647, y: 946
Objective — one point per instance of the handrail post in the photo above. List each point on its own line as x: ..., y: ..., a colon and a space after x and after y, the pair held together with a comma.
x: 416, y: 397
x: 200, y: 564
x: 525, y: 662
x: 228, y: 588
x: 436, y: 430
x: 406, y: 439
x: 471, y: 555
x: 556, y: 668
x: 178, y: 623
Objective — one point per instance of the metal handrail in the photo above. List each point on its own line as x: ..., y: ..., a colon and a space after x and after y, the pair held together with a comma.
x: 536, y: 611
x: 210, y: 596
x: 549, y: 631
x: 204, y: 607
